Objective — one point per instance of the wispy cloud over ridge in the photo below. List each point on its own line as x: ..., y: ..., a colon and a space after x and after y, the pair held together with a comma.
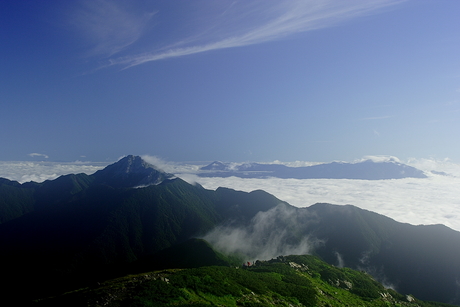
x: 276, y: 20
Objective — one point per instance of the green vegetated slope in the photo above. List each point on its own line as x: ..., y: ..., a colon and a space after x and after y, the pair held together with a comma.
x: 284, y: 281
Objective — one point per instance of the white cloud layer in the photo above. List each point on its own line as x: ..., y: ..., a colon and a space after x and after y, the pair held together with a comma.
x: 172, y: 167
x: 24, y: 171
x: 432, y: 200
x: 34, y: 154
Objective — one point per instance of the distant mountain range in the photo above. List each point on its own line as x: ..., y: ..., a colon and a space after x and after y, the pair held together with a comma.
x: 366, y: 170
x: 80, y: 229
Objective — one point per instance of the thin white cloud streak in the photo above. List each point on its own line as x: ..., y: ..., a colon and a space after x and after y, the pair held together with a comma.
x: 109, y: 26
x: 376, y: 117
x: 279, y: 19
x: 377, y: 159
x: 35, y: 154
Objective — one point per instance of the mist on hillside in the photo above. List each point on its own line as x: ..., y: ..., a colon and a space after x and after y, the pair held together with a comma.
x: 278, y: 231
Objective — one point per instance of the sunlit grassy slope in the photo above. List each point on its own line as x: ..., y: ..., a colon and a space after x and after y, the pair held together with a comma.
x: 285, y: 281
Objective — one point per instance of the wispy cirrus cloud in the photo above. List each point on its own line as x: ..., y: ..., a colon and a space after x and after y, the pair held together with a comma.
x: 109, y: 26
x: 377, y: 117
x: 243, y: 23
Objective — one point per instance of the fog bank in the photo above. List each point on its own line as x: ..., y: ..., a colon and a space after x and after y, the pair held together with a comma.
x: 278, y: 231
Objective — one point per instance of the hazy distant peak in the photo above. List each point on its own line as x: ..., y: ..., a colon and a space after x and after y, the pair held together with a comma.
x: 372, y: 168
x: 215, y: 166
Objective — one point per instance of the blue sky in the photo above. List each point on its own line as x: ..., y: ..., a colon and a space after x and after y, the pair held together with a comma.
x: 229, y: 80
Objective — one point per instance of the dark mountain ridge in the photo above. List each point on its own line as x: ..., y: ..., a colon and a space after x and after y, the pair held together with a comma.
x: 131, y: 171
x: 81, y: 228
x: 423, y: 260
x: 78, y: 227
x: 128, y: 172
x: 366, y: 170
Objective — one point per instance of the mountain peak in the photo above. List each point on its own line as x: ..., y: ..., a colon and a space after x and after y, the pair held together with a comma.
x: 132, y: 164
x: 215, y: 166
x: 131, y: 171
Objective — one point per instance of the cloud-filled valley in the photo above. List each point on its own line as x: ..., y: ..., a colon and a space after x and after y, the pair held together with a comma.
x: 432, y: 200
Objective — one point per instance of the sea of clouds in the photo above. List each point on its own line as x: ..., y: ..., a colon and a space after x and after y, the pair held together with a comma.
x: 39, y: 171
x: 418, y: 201
x: 432, y: 200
